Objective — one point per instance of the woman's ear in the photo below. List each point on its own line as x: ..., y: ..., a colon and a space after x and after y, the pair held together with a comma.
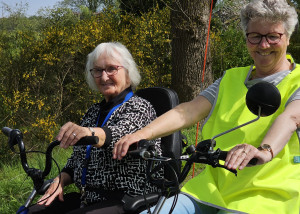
x: 128, y: 80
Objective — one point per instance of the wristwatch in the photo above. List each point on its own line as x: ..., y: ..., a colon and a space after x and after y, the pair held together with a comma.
x: 266, y: 147
x: 92, y: 130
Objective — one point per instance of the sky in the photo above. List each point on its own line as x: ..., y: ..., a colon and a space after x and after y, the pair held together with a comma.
x: 33, y: 5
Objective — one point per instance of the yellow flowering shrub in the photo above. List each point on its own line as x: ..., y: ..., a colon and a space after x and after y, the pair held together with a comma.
x: 148, y: 38
x: 42, y: 73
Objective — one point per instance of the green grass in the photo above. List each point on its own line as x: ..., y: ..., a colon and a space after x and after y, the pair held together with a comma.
x: 15, y: 186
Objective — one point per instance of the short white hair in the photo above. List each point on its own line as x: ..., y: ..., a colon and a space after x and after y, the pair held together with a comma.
x: 270, y: 10
x: 118, y: 52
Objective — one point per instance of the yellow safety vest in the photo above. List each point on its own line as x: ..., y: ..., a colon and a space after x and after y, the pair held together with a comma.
x: 273, y: 187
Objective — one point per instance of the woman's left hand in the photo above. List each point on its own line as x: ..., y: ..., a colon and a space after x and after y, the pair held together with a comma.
x: 240, y: 156
x: 70, y: 133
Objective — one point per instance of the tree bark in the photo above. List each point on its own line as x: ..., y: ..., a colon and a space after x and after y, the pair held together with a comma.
x: 189, y: 27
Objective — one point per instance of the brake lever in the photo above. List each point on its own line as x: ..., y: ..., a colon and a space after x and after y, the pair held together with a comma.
x: 234, y: 171
x: 212, y: 159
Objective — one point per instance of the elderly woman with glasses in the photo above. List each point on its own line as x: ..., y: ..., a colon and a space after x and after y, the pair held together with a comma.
x: 273, y: 185
x: 103, y: 181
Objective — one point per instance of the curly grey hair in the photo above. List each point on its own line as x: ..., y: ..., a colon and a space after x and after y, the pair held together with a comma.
x: 118, y: 52
x: 270, y: 10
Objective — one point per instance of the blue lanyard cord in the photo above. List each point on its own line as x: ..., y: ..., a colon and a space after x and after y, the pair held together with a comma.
x: 89, y: 147
x: 127, y: 97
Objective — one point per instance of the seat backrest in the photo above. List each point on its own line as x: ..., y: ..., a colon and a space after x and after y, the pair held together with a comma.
x: 163, y: 99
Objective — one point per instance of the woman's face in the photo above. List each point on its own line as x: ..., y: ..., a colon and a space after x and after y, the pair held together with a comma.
x: 111, y: 86
x: 268, y: 59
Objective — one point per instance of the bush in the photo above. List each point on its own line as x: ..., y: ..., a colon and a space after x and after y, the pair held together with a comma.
x: 42, y: 72
x: 228, y: 47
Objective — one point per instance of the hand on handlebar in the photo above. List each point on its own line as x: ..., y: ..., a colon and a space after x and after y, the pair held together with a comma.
x: 121, y: 147
x: 70, y: 134
x: 55, y: 189
x: 240, y: 156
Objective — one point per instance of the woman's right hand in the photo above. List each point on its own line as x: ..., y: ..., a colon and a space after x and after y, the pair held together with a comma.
x: 55, y: 189
x: 70, y: 133
x: 122, y: 146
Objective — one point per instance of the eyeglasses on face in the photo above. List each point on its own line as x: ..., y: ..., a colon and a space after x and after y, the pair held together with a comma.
x: 272, y: 38
x: 109, y: 70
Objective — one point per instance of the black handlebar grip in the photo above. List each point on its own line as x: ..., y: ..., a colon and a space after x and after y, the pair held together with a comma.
x: 6, y: 131
x: 88, y: 140
x: 134, y: 150
x: 223, y: 155
x: 141, y: 153
x: 142, y: 149
x: 253, y: 161
x: 135, y: 153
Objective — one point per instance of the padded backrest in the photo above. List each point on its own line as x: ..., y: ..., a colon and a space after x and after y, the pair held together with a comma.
x: 164, y: 99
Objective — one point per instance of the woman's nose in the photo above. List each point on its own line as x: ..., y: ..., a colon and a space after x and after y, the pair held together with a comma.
x: 264, y: 43
x: 104, y: 75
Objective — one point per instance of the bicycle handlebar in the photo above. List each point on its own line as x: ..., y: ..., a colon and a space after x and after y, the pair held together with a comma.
x: 16, y: 137
x: 223, y: 155
x: 88, y: 140
x: 201, y: 154
x: 6, y: 131
x: 144, y: 149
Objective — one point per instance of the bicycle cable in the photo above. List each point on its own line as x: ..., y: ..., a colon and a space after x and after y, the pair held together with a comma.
x: 58, y: 168
x: 176, y: 180
x: 177, y: 186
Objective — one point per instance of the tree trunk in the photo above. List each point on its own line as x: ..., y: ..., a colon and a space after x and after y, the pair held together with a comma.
x: 189, y: 27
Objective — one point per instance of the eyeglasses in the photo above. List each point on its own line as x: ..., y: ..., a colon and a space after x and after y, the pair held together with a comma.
x: 109, y: 70
x: 272, y: 38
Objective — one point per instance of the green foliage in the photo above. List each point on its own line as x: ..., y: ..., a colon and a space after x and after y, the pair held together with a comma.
x: 15, y: 186
x: 228, y: 47
x: 294, y: 47
x: 139, y: 7
x: 18, y: 10
x: 148, y: 39
x: 42, y: 72
x: 58, y: 17
x: 92, y: 5
x: 42, y: 65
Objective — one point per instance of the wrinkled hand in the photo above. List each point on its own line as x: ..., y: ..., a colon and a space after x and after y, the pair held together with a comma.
x: 121, y: 147
x: 240, y: 155
x: 70, y: 133
x: 51, y: 194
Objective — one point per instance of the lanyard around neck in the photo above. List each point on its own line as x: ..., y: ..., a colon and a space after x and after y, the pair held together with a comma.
x: 89, y: 147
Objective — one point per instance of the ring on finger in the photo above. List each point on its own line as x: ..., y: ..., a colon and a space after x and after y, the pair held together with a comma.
x: 244, y: 152
x: 74, y: 135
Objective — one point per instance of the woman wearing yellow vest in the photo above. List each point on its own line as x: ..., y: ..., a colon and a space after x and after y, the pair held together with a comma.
x: 273, y: 185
